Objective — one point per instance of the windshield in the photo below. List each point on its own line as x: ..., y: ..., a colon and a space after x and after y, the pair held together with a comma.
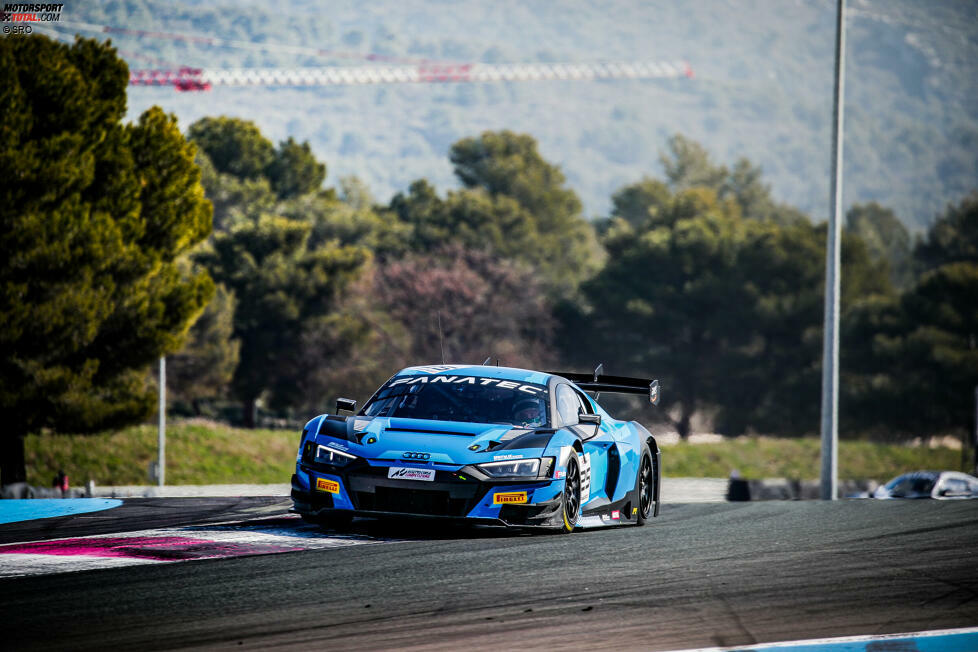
x: 461, y: 398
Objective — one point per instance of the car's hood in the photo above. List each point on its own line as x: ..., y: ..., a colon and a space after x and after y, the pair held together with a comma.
x: 445, y: 442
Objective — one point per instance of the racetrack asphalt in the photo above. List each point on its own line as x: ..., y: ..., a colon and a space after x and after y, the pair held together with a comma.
x: 700, y: 575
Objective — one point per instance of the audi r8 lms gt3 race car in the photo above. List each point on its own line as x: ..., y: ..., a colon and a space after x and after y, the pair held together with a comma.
x: 491, y: 445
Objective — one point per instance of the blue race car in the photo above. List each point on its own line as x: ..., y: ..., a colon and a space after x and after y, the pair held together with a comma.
x: 484, y: 444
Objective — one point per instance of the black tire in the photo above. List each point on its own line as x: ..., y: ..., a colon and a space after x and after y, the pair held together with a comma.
x: 336, y: 521
x: 645, y: 487
x: 570, y: 499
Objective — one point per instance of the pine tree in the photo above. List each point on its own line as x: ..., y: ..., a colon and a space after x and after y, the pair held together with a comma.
x: 93, y: 216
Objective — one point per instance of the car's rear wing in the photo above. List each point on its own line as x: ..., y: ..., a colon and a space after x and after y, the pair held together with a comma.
x: 598, y: 382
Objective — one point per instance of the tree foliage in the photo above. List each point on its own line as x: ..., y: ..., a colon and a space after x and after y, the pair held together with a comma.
x: 203, y: 368
x: 234, y: 200
x: 234, y: 146
x: 509, y: 164
x: 514, y: 202
x: 94, y: 216
x: 469, y: 305
x: 952, y: 238
x: 281, y: 286
x: 637, y: 202
x: 921, y: 369
x: 350, y: 219
x: 688, y: 164
x: 243, y: 172
x: 885, y: 237
x: 715, y: 305
x: 696, y: 296
x: 295, y: 171
x: 289, y: 250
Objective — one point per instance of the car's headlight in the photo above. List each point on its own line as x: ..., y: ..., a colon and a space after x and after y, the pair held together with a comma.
x: 511, y: 468
x: 325, y: 455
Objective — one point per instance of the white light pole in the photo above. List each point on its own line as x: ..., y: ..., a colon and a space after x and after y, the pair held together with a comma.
x: 161, y: 434
x: 974, y: 442
x: 833, y: 250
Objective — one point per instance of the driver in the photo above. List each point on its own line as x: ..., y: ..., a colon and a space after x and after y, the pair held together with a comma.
x: 529, y: 412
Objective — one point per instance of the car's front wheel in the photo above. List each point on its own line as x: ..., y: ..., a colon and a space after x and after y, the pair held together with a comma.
x: 570, y: 500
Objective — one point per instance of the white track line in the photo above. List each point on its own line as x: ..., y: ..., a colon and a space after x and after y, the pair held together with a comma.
x: 245, y: 533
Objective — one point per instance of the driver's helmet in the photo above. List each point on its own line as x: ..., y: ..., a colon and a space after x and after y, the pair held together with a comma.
x: 529, y: 411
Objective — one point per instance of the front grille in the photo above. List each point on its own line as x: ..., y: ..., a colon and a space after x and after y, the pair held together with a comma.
x: 412, y: 501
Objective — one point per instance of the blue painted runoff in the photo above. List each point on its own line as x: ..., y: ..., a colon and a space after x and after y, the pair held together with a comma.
x: 952, y: 641
x: 12, y: 511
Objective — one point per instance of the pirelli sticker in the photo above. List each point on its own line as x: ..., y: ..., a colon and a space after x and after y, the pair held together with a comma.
x: 329, y: 486
x: 510, y: 498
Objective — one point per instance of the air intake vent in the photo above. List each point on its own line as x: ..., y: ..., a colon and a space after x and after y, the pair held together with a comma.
x: 432, y: 432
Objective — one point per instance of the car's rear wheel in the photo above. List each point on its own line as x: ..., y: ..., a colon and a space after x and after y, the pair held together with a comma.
x: 570, y: 500
x: 646, y: 487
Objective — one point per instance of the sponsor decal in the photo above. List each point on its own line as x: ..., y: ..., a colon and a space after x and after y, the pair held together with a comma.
x: 469, y: 380
x: 339, y: 447
x: 434, y: 369
x: 401, y: 473
x: 329, y: 486
x: 634, y: 511
x: 559, y: 474
x: 443, y: 379
x: 359, y: 425
x: 509, y: 498
x: 615, y: 514
x: 585, y: 477
x: 500, y: 458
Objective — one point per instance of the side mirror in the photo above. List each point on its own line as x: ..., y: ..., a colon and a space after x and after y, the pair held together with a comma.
x: 593, y: 419
x: 347, y: 404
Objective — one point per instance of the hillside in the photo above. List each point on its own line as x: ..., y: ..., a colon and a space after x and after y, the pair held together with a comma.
x: 762, y: 89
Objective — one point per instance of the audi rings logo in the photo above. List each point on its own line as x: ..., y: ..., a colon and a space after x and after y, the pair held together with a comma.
x: 415, y: 456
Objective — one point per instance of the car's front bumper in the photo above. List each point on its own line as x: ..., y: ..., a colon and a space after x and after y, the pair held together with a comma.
x: 365, y: 490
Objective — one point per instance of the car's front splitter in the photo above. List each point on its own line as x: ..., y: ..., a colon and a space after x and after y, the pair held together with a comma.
x: 521, y: 504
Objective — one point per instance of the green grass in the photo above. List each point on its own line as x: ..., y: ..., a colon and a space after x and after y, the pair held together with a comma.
x: 211, y: 453
x: 196, y: 453
x: 767, y: 457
